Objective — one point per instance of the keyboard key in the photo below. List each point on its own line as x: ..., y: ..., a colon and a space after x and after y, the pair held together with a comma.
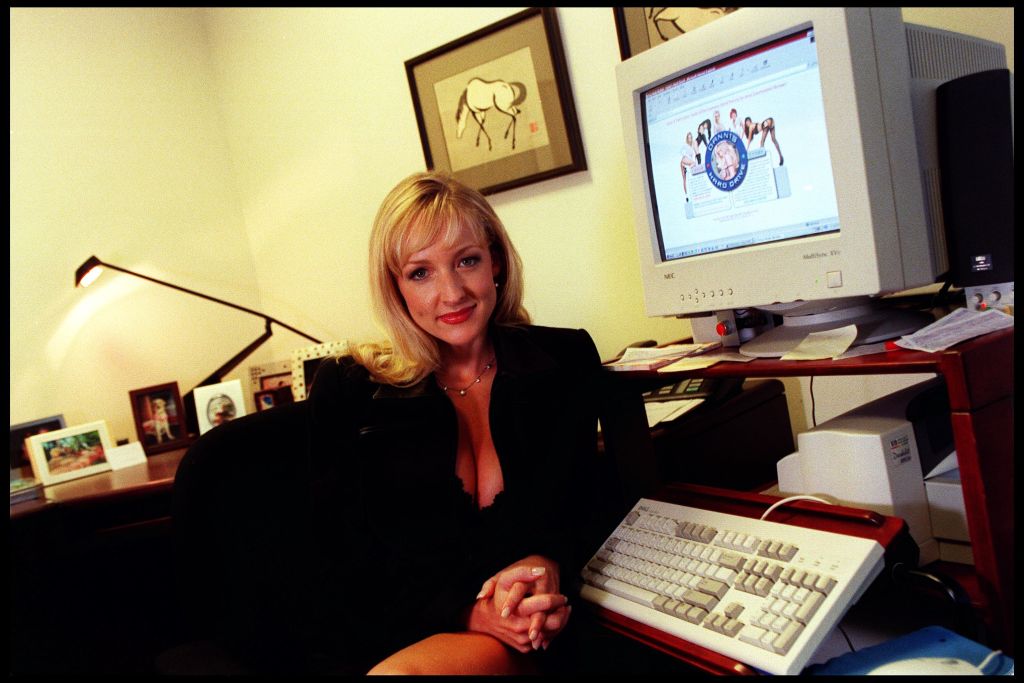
x: 731, y: 560
x: 809, y: 607
x: 712, y: 587
x: 733, y: 610
x: 785, y: 640
x: 630, y: 592
x: 699, y: 599
x: 752, y: 635
x: 732, y: 627
x: 825, y: 584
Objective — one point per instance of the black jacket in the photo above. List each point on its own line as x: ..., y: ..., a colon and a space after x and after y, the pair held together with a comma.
x: 323, y: 535
x: 415, y: 544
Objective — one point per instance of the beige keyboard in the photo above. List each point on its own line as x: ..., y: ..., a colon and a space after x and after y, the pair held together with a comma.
x: 760, y: 592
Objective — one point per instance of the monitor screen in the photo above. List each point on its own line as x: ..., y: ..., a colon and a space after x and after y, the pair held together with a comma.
x: 738, y: 153
x: 773, y: 161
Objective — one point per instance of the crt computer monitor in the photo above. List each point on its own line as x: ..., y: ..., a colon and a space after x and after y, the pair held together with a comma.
x: 773, y: 163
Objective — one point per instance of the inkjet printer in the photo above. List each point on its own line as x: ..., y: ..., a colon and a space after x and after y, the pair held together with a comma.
x: 878, y: 456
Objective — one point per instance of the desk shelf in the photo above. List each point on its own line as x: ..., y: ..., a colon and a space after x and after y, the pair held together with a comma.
x: 979, y: 380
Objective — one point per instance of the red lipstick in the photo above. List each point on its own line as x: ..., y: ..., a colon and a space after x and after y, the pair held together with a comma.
x: 457, y: 317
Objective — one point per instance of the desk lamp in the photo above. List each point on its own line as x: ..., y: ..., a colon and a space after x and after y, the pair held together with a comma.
x: 88, y: 272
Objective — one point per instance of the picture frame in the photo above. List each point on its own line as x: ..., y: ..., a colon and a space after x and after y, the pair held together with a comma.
x: 641, y: 28
x: 19, y: 437
x: 272, y: 398
x: 70, y: 453
x: 514, y: 69
x: 218, y: 403
x: 273, y: 375
x: 305, y: 362
x: 159, y: 417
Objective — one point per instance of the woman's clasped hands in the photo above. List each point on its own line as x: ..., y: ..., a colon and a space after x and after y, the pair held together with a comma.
x: 521, y: 605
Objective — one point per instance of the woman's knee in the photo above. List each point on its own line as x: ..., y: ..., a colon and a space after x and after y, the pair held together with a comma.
x: 453, y: 654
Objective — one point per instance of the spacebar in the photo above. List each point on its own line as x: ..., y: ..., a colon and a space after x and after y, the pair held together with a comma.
x: 630, y: 592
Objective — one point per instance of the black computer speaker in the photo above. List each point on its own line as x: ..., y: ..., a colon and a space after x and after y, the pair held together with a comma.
x: 975, y: 137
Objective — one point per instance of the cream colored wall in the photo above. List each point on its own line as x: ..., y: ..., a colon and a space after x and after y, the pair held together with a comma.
x: 118, y: 150
x: 320, y: 123
x: 242, y: 152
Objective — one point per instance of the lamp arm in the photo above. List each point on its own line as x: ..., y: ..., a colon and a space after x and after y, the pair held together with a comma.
x: 219, y: 373
x: 219, y: 301
x: 191, y: 416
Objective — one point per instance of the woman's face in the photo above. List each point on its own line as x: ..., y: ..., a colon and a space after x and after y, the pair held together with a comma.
x: 727, y: 159
x: 450, y: 291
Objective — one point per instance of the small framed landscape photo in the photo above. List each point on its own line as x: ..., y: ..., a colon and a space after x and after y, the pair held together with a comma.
x: 70, y: 453
x: 159, y: 418
x: 20, y: 433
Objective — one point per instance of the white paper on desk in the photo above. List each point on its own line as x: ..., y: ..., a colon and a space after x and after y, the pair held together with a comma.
x: 960, y: 325
x: 706, y: 360
x: 864, y: 350
x: 732, y: 357
x: 126, y: 456
x: 663, y: 411
x: 648, y: 352
x: 825, y: 344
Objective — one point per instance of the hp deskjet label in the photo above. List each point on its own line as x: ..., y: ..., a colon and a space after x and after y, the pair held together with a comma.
x: 899, y: 450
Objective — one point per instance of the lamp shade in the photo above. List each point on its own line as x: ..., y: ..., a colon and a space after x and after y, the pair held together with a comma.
x: 88, y: 272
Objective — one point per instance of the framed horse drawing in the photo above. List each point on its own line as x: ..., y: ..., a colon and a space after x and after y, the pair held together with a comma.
x: 495, y: 108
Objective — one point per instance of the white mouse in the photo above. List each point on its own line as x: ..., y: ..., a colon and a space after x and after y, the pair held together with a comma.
x: 928, y: 666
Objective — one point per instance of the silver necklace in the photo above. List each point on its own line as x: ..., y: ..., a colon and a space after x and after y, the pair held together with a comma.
x: 462, y: 392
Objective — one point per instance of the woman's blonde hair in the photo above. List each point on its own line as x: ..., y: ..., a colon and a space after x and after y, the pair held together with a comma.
x: 420, y: 210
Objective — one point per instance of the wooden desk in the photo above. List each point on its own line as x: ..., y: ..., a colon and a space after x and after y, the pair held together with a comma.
x: 154, y: 477
x: 979, y: 381
x: 92, y: 572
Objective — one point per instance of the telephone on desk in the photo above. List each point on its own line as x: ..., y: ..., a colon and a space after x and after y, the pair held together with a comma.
x: 713, y: 390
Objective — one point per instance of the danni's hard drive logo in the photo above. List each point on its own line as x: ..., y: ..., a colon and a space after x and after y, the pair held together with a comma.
x: 726, y: 161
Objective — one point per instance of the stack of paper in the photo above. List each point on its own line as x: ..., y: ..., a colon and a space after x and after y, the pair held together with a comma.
x: 25, y: 489
x: 960, y: 325
x: 652, y: 358
x: 665, y: 411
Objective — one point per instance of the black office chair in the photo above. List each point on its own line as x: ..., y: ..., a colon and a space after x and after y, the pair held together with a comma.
x: 244, y: 521
x: 252, y: 565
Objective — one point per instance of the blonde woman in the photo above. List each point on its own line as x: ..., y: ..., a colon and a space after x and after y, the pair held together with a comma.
x: 458, y: 447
